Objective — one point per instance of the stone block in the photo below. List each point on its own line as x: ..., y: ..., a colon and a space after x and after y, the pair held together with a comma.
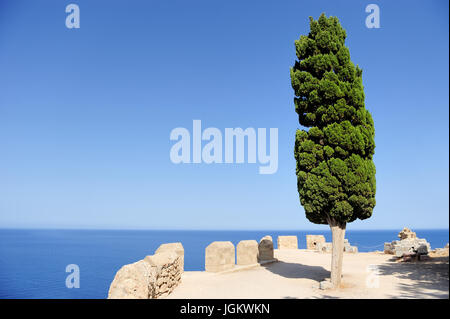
x: 401, y: 249
x: 313, y: 241
x: 324, y: 285
x: 422, y: 249
x: 219, y: 256
x: 411, y: 245
x: 247, y: 252
x: 287, y: 242
x: 265, y: 249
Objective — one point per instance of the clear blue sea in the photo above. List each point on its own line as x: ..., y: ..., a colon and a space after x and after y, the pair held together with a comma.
x: 33, y: 262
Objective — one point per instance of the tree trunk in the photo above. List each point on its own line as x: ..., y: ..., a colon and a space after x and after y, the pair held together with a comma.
x: 338, y: 233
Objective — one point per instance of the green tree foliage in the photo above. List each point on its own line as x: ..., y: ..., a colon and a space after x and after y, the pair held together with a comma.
x: 335, y: 169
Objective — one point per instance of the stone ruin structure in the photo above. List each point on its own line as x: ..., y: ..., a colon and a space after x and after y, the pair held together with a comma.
x: 158, y: 275
x: 349, y: 248
x: 318, y: 243
x: 313, y: 241
x: 153, y: 277
x: 287, y: 242
x: 408, y: 246
x: 220, y: 255
x: 265, y: 249
x: 406, y: 233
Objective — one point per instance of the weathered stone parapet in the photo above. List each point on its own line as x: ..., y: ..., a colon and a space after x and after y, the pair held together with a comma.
x: 313, y: 241
x: 265, y: 249
x: 153, y: 277
x: 219, y: 256
x: 133, y: 281
x: 173, y: 247
x: 168, y: 272
x: 247, y: 252
x: 287, y: 242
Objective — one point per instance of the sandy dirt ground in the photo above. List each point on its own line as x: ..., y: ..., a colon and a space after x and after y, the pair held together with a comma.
x: 298, y: 272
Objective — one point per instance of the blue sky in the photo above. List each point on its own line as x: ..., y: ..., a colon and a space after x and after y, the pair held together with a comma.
x: 85, y: 114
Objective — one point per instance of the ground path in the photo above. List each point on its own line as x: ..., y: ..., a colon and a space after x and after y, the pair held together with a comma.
x: 297, y: 273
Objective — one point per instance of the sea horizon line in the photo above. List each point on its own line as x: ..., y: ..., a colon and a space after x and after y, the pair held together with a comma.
x: 208, y: 229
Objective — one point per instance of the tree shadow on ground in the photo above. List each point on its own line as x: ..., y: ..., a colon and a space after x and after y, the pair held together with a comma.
x: 427, y: 279
x: 294, y: 270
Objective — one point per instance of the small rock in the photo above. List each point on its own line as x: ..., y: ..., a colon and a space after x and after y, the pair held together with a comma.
x: 324, y: 285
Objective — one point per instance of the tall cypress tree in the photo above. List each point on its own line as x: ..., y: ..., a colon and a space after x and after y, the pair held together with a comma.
x: 334, y: 154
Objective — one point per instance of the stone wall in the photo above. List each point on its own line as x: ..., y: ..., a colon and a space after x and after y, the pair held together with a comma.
x: 133, y: 281
x: 287, y: 242
x: 247, y: 252
x: 265, y: 249
x: 153, y: 277
x: 219, y: 256
x: 324, y: 247
x: 349, y: 248
x: 168, y: 267
x: 158, y: 275
x: 313, y: 241
x: 389, y: 247
x: 173, y: 247
x: 222, y: 256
